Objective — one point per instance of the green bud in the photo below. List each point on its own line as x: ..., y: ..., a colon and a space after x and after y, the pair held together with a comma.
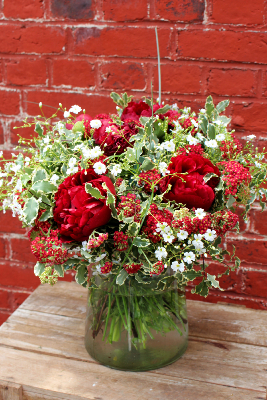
x: 78, y: 127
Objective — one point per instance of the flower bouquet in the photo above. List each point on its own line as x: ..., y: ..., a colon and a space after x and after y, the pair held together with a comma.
x: 136, y: 203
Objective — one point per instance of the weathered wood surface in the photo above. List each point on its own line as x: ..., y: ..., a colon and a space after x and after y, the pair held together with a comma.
x: 43, y: 355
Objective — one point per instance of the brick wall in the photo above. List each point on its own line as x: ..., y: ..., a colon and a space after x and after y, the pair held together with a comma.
x: 76, y: 52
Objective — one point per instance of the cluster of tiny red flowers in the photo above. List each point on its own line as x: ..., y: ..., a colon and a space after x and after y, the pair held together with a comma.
x: 187, y: 123
x: 190, y: 225
x: 40, y: 227
x: 157, y: 268
x: 120, y: 241
x: 118, y: 182
x: 234, y: 175
x: 132, y: 268
x: 49, y: 250
x: 156, y: 216
x: 148, y: 178
x: 190, y: 149
x: 106, y: 268
x: 130, y: 206
x: 223, y: 221
x: 96, y: 242
x: 230, y: 149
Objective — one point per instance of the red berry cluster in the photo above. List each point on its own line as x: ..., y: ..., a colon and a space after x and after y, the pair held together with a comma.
x: 118, y: 182
x: 157, y: 268
x: 223, y: 221
x: 188, y: 124
x: 130, y: 206
x: 156, y: 216
x: 120, y: 241
x: 40, y: 227
x: 148, y: 178
x: 96, y: 242
x: 106, y: 268
x: 234, y: 175
x: 230, y: 149
x: 49, y: 250
x: 190, y: 149
x: 132, y: 268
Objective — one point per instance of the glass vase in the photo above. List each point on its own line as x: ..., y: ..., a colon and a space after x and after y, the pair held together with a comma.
x: 135, y: 327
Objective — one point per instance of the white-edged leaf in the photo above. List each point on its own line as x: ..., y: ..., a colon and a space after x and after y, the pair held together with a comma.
x: 30, y: 210
x: 94, y: 192
x: 222, y: 106
x: 211, y: 131
x: 213, y: 281
x: 44, y: 186
x: 163, y: 110
x: 230, y: 201
x: 121, y: 277
x: 130, y: 154
x: 60, y: 270
x: 46, y: 215
x: 40, y: 175
x: 147, y: 164
x: 80, y: 276
x: 207, y: 177
x: 39, y: 268
x: 39, y: 129
x: 139, y: 242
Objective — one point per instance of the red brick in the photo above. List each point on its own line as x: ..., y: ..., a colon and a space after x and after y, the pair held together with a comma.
x: 9, y: 224
x: 31, y: 39
x: 232, y: 82
x: 255, y: 283
x: 17, y: 298
x: 3, y: 248
x: 26, y: 72
x: 248, y: 249
x: 131, y: 42
x: 72, y: 9
x: 179, y: 78
x: 4, y: 316
x: 180, y: 10
x: 223, y: 45
x: 264, y: 86
x: 73, y: 73
x: 4, y: 299
x: 121, y: 10
x: 24, y: 9
x: 12, y: 274
x: 91, y: 103
x: 243, y: 226
x: 250, y: 116
x: 9, y: 102
x: 27, y: 133
x: 238, y: 12
x: 122, y: 76
x: 1, y: 134
x: 21, y: 250
x: 258, y: 218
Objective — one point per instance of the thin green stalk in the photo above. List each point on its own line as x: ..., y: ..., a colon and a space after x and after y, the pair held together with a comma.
x: 159, y: 73
x: 107, y: 318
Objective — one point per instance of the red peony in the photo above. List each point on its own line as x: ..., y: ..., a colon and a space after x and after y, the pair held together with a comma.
x: 112, y: 138
x: 190, y: 188
x: 76, y: 212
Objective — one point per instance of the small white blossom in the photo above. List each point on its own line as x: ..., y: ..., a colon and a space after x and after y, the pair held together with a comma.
x: 210, y: 235
x: 251, y: 137
x: 60, y: 128
x: 95, y: 123
x: 66, y: 114
x: 18, y: 186
x: 163, y: 228
x: 169, y: 145
x: 1, y: 153
x: 108, y: 129
x: 27, y: 161
x: 200, y: 136
x: 211, y: 143
x: 54, y: 179
x: 100, y: 257
x: 168, y: 237
x: 72, y: 170
x: 163, y: 168
x: 97, y: 270
x: 257, y: 164
x: 161, y: 253
x: 46, y: 148
x: 99, y: 168
x: 189, y: 257
x: 175, y: 266
x: 197, y: 244
x: 1, y: 182
x: 116, y: 169
x: 192, y: 140
x: 200, y: 213
x: 46, y: 139
x: 72, y: 161
x: 5, y: 205
x: 75, y: 109
x: 40, y: 104
x: 194, y: 122
x: 94, y: 152
x: 182, y: 235
x: 220, y: 137
x: 175, y: 107
x: 15, y: 168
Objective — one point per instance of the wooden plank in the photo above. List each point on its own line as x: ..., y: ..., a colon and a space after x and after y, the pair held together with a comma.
x: 92, y: 381
x: 10, y: 391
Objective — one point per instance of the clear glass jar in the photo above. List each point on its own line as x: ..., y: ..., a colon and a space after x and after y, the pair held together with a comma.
x: 134, y: 327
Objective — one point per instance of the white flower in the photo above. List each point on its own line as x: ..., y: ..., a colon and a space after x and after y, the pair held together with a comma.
x: 177, y: 125
x: 100, y: 257
x: 200, y: 213
x: 175, y: 266
x: 175, y: 107
x: 1, y: 153
x: 27, y: 161
x: 72, y: 170
x: 189, y: 257
x: 200, y: 137
x: 6, y: 203
x: 60, y: 128
x: 210, y: 235
x: 18, y: 186
x: 251, y: 137
x: 97, y: 270
x: 116, y: 169
x: 46, y: 139
x: 202, y: 111
x: 220, y: 137
x: 197, y: 244
x: 94, y: 152
x: 169, y: 146
x: 46, y: 148
x: 211, y: 143
x: 75, y: 109
x: 95, y: 123
x: 163, y: 228
x: 182, y: 235
x: 99, y: 168
x: 40, y: 104
x: 257, y: 164
x: 15, y: 168
x: 108, y: 129
x: 161, y: 253
x: 84, y: 245
x: 54, y: 179
x: 192, y: 140
x: 194, y: 122
x: 1, y: 182
x: 72, y: 162
x: 163, y: 168
x: 168, y: 237
x: 66, y: 114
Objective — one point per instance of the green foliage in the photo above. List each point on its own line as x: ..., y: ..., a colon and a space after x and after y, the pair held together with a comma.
x: 30, y: 210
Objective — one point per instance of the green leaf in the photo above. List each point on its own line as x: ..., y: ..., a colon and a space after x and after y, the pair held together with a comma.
x: 60, y: 270
x: 46, y: 215
x: 147, y: 164
x: 213, y: 281
x: 25, y: 179
x: 191, y: 274
x: 117, y: 98
x: 39, y: 129
x: 217, y: 241
x: 207, y: 177
x: 230, y: 201
x: 39, y: 268
x: 209, y: 106
x: 144, y: 120
x: 94, y: 192
x: 40, y: 175
x: 130, y: 154
x: 139, y: 242
x: 122, y: 187
x: 30, y: 210
x: 222, y: 106
x: 211, y: 131
x: 81, y: 274
x: 163, y: 110
x: 133, y: 229
x: 121, y: 277
x: 44, y: 186
x: 202, y: 289
x: 237, y: 262
x: 204, y: 124
x: 225, y: 120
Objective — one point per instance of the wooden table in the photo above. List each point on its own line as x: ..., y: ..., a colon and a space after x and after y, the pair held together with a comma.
x: 42, y: 355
